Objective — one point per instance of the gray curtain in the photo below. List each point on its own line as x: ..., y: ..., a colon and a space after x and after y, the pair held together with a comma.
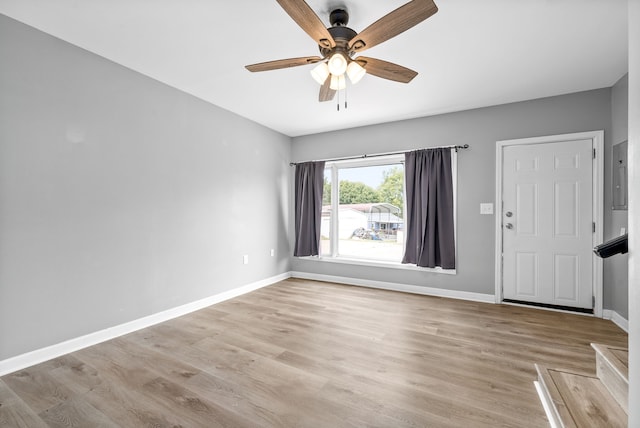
x: 308, y: 208
x: 429, y: 218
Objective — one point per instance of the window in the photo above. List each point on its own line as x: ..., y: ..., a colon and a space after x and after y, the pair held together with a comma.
x: 363, y: 206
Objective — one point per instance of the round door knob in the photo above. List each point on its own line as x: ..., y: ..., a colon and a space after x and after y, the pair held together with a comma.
x: 508, y: 226
x: 508, y: 214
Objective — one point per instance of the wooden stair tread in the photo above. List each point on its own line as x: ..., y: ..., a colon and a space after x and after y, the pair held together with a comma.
x: 612, y: 368
x: 557, y: 411
x: 580, y: 400
x: 617, y: 357
x: 622, y: 355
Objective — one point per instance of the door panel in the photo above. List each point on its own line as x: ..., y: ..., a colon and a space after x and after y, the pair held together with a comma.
x: 527, y: 209
x: 566, y: 209
x: 527, y: 278
x: 547, y: 217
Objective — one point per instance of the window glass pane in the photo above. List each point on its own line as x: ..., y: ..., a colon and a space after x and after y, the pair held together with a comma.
x: 325, y: 226
x: 370, y: 212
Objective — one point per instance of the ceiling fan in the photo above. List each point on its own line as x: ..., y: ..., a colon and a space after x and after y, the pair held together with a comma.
x: 339, y: 43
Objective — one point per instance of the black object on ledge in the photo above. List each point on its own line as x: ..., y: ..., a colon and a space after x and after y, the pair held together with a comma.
x: 612, y: 247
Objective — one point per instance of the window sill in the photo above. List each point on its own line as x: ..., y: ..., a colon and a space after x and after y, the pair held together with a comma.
x: 378, y: 263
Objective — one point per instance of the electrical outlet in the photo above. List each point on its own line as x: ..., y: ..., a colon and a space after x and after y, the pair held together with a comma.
x: 245, y: 259
x: 273, y: 252
x: 623, y: 230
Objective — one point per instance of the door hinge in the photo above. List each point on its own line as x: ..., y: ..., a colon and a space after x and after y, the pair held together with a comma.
x: 593, y: 302
x: 593, y: 227
x: 594, y: 153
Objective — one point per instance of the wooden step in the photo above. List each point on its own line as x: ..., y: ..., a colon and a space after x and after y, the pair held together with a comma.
x: 612, y: 367
x: 574, y: 400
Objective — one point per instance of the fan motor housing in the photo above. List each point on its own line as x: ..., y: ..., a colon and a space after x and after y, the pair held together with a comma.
x: 342, y: 33
x: 342, y: 36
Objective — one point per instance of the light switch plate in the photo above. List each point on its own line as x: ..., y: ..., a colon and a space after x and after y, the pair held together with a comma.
x: 486, y: 208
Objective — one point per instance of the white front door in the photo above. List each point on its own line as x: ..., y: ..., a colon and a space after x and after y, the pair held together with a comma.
x: 547, y: 219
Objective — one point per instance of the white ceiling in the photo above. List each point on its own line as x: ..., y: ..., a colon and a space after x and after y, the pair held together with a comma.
x: 472, y: 53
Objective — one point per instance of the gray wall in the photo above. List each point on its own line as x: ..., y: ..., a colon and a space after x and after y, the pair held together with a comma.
x: 480, y: 129
x: 616, y: 282
x: 121, y: 197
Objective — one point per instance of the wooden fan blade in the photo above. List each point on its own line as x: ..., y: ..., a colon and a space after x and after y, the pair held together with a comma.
x: 307, y: 19
x: 386, y: 70
x: 394, y: 23
x: 283, y: 63
x: 326, y: 93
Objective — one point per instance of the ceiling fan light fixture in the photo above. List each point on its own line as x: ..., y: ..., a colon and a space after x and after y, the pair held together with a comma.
x: 355, y: 72
x: 338, y: 43
x: 338, y: 82
x: 320, y: 73
x: 337, y: 64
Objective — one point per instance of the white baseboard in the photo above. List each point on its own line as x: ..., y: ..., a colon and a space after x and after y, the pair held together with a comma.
x: 415, y: 289
x: 20, y: 362
x: 44, y: 354
x: 617, y: 319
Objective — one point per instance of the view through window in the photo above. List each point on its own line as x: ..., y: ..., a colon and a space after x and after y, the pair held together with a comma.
x: 363, y: 216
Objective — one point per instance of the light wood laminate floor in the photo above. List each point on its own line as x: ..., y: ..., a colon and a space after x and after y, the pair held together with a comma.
x: 311, y: 354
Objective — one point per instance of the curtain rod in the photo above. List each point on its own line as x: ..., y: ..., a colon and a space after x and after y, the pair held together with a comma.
x: 466, y: 146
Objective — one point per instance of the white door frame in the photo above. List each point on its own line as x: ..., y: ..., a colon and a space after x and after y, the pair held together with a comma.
x: 598, y: 204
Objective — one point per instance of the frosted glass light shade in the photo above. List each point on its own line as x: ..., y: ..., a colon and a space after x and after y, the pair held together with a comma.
x: 355, y: 72
x: 337, y: 64
x: 338, y: 82
x: 320, y: 73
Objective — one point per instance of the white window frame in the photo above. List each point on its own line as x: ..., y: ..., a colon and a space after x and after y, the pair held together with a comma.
x: 334, y: 257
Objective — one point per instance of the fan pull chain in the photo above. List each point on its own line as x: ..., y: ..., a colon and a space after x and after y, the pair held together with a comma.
x: 345, y: 95
x: 338, y: 98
